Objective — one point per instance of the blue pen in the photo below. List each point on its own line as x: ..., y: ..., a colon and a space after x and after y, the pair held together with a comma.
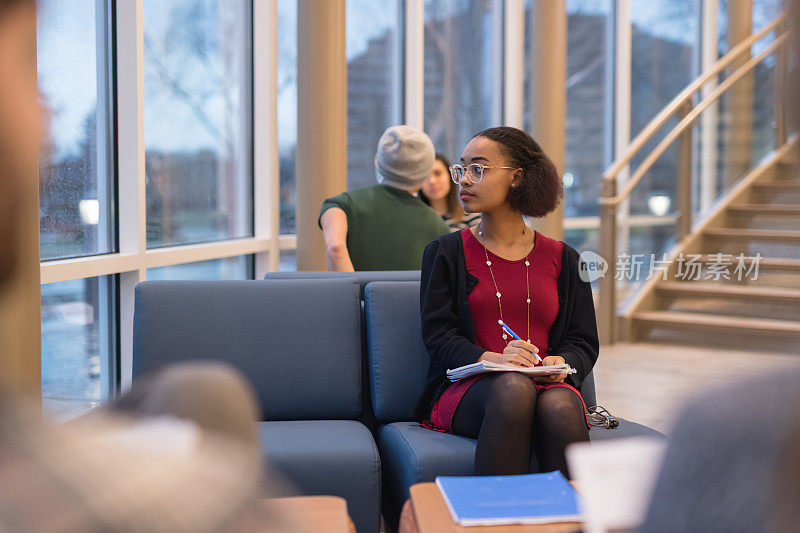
x: 511, y: 332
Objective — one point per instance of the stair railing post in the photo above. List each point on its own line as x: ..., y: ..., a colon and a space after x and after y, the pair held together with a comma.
x: 607, y: 290
x: 684, y: 175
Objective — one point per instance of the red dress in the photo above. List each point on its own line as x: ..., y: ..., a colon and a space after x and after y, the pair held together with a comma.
x: 543, y: 272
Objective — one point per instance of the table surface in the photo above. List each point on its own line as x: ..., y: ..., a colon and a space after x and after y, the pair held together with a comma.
x: 426, y: 512
x: 315, y: 513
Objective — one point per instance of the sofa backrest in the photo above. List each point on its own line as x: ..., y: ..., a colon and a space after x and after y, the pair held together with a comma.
x: 363, y: 276
x: 299, y: 341
x: 397, y: 358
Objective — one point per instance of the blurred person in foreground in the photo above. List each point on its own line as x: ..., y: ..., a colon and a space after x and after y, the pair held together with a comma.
x: 733, y: 461
x: 439, y: 193
x: 386, y: 226
x: 177, y: 453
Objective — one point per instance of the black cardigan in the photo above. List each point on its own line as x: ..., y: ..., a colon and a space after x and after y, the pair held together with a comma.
x: 449, y: 333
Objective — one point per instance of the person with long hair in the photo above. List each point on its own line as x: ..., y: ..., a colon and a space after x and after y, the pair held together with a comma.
x: 502, y: 271
x: 439, y: 193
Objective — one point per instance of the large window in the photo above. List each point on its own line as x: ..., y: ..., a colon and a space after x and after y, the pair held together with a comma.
x: 198, y: 172
x: 463, y: 71
x: 197, y: 121
x: 77, y: 199
x: 374, y: 50
x: 75, y: 168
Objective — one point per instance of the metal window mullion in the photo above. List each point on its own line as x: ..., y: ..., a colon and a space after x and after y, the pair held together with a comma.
x: 622, y: 109
x: 130, y: 167
x: 105, y: 189
x: 514, y: 64
x: 398, y: 53
x: 709, y: 50
x: 415, y: 63
x: 194, y: 253
x: 266, y: 160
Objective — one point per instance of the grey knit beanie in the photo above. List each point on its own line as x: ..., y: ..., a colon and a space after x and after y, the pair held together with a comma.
x: 405, y: 157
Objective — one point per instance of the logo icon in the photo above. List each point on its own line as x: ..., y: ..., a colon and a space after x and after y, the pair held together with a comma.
x: 592, y: 266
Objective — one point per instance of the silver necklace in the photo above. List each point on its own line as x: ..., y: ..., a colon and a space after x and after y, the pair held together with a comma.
x: 497, y: 291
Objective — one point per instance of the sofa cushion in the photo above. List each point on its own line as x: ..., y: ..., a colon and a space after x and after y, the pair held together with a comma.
x: 398, y: 359
x: 328, y: 457
x: 363, y: 277
x: 299, y: 342
x: 412, y: 454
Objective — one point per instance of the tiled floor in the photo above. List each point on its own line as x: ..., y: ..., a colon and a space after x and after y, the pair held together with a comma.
x: 648, y: 383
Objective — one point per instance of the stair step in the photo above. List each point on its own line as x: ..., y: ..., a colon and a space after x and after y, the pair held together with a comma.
x: 771, y: 263
x: 765, y: 209
x: 726, y: 290
x: 778, y: 185
x: 791, y: 236
x: 704, y: 322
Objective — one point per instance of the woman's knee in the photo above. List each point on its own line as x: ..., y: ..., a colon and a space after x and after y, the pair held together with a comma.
x: 512, y: 389
x: 559, y: 403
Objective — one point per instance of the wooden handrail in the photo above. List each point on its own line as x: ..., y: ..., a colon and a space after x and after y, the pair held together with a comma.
x: 689, y: 119
x: 654, y: 125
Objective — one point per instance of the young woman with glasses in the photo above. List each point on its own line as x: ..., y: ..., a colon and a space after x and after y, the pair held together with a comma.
x: 502, y: 271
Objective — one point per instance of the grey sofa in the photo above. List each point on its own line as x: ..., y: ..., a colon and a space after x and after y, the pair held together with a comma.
x: 299, y: 342
x: 363, y: 366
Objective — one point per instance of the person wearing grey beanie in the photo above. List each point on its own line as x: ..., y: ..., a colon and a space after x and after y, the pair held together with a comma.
x: 404, y: 158
x: 386, y: 226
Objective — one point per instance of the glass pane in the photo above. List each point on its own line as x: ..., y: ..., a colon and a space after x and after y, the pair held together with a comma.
x: 197, y: 121
x: 374, y: 52
x: 665, y: 52
x: 582, y: 239
x: 76, y: 339
x: 287, y: 110
x: 764, y: 82
x: 463, y: 71
x: 589, y: 102
x: 288, y: 261
x: 746, y: 130
x: 227, y: 268
x: 75, y: 192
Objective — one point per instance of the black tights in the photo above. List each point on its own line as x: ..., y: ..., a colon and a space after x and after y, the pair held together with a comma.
x: 518, y: 430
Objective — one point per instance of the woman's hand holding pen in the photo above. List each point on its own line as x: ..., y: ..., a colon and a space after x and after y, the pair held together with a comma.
x: 518, y: 353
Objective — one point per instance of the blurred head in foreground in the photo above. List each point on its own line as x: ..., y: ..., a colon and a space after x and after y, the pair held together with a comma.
x: 20, y: 118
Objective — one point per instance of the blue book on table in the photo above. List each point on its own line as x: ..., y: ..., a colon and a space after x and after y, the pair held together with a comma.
x: 495, y: 500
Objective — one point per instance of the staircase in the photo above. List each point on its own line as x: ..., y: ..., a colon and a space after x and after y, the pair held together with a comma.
x: 714, y: 304
x: 733, y: 275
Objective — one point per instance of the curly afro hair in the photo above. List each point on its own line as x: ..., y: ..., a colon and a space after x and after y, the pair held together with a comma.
x: 541, y: 188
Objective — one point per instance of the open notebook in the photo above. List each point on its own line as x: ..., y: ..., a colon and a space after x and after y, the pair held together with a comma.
x: 483, y: 367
